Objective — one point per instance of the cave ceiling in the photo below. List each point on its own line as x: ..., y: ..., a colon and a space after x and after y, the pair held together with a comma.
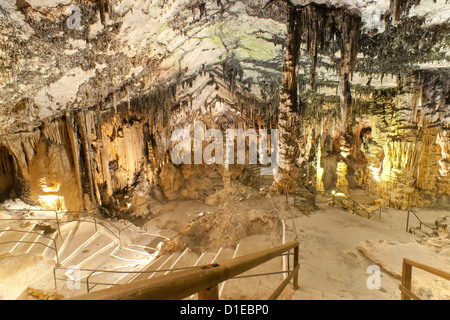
x: 203, y: 54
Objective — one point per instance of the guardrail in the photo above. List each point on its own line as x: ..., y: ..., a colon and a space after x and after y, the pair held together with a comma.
x: 203, y: 280
x: 355, y: 204
x: 33, y: 242
x: 96, y: 222
x: 87, y: 218
x: 92, y: 284
x: 37, y: 219
x: 58, y: 221
x: 405, y: 286
x: 420, y: 221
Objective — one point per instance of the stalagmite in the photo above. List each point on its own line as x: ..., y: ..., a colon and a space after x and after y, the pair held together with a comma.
x: 319, y: 173
x: 288, y: 120
x: 100, y: 100
x: 443, y: 179
x: 341, y: 171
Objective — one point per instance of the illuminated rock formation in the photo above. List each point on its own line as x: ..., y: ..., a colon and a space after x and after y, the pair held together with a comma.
x: 341, y: 171
x: 92, y: 108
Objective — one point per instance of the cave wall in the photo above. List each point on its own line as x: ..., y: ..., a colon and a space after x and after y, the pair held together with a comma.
x: 43, y: 165
x: 411, y: 151
x: 443, y: 179
x: 405, y: 156
x: 83, y: 157
x: 94, y: 154
x: 101, y: 100
x: 6, y: 173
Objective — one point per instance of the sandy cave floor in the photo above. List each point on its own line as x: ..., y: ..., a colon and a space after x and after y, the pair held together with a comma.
x: 335, y: 246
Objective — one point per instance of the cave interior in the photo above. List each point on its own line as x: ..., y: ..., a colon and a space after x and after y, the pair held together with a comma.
x: 124, y: 111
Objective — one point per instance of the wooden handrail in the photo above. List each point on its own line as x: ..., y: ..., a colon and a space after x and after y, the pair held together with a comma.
x: 202, y: 280
x: 405, y: 286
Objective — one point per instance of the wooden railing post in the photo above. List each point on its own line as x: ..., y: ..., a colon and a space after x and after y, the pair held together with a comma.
x: 407, y: 222
x: 406, y: 279
x: 209, y: 294
x: 295, y: 266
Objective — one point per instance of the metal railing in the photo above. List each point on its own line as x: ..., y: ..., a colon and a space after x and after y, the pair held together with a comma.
x: 94, y: 272
x: 104, y: 223
x: 405, y: 286
x: 421, y: 223
x: 355, y: 205
x: 37, y: 219
x: 203, y: 280
x: 33, y: 242
x: 98, y: 222
x: 91, y: 272
x: 383, y: 205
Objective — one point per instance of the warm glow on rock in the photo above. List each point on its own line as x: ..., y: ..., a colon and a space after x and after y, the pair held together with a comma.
x: 52, y: 202
x: 54, y: 187
x: 375, y: 173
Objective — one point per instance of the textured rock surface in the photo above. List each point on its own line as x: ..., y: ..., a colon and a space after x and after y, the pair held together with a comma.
x: 388, y: 255
x: 106, y: 96
x: 224, y: 228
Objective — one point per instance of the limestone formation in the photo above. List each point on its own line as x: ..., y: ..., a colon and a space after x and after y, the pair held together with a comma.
x: 120, y: 110
x: 88, y: 110
x: 341, y: 171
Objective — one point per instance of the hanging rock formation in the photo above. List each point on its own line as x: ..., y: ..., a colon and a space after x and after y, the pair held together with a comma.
x: 91, y: 108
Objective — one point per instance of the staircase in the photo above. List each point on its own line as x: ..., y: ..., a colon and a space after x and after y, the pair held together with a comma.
x: 29, y: 240
x: 161, y: 266
x: 90, y: 256
x: 209, y: 281
x: 78, y: 248
x: 351, y: 205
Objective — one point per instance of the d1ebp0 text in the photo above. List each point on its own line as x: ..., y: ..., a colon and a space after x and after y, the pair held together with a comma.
x: 226, y: 309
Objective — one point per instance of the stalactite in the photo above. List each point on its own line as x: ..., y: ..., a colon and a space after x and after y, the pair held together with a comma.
x: 55, y: 131
x: 103, y: 8
x: 114, y: 102
x: 350, y: 36
x: 320, y: 170
x: 341, y: 172
x: 5, y: 164
x: 22, y: 147
x: 86, y: 128
x: 443, y: 179
x: 396, y: 9
x: 75, y: 147
x: 315, y: 19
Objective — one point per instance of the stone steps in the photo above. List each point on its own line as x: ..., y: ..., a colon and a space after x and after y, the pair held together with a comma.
x: 83, y: 247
